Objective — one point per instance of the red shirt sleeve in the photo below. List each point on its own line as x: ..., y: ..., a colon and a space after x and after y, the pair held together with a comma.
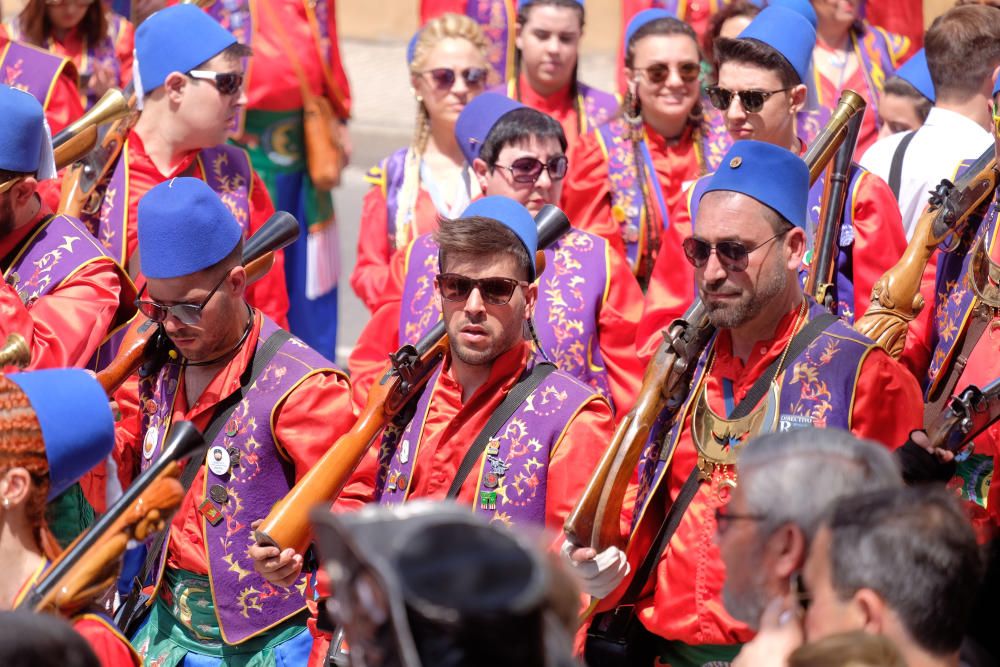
x: 111, y: 649
x: 269, y: 294
x: 371, y: 270
x: 879, y: 240
x: 341, y: 97
x: 66, y: 326
x: 430, y: 9
x: 65, y: 104
x: 617, y: 321
x: 124, y: 49
x: 586, y: 198
x: 888, y: 403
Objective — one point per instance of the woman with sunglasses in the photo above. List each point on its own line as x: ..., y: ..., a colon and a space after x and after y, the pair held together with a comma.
x: 429, y: 178
x: 40, y: 458
x: 95, y: 39
x: 546, y: 63
x: 851, y: 53
x: 627, y: 179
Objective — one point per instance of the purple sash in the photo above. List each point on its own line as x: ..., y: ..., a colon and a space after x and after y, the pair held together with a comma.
x: 55, y: 251
x: 513, y: 472
x: 879, y: 52
x: 388, y: 175
x: 497, y: 19
x: 955, y: 299
x: 225, y: 168
x: 261, y: 474
x: 31, y: 69
x: 817, y: 389
x: 570, y: 296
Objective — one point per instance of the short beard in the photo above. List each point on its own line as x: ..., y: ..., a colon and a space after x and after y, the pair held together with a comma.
x: 747, y: 605
x: 734, y: 315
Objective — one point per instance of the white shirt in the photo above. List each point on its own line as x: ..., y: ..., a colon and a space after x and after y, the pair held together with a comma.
x: 935, y: 152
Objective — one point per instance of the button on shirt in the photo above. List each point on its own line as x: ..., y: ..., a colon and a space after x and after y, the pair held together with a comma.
x: 935, y: 152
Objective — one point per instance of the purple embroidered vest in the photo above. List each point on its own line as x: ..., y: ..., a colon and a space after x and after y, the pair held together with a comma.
x: 595, y: 107
x: 497, y: 19
x: 845, y: 258
x: 878, y: 50
x: 31, y: 69
x: 56, y: 250
x: 817, y: 389
x: 513, y: 471
x: 245, y: 604
x: 226, y: 169
x: 628, y: 205
x: 955, y: 298
x: 570, y: 296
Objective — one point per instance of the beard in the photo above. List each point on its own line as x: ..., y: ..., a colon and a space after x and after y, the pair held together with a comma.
x: 501, y: 341
x: 737, y: 312
x: 747, y: 603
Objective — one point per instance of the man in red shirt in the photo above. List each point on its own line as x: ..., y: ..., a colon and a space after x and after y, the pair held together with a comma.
x: 286, y: 405
x: 532, y: 468
x: 749, y: 243
x: 189, y: 73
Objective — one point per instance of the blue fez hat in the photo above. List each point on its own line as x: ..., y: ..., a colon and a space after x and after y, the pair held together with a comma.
x: 787, y: 32
x: 915, y: 72
x: 774, y: 176
x: 183, y: 228
x: 803, y: 7
x: 478, y: 118
x: 175, y: 39
x: 644, y: 17
x: 25, y: 144
x: 411, y: 48
x: 73, y: 412
x: 511, y: 215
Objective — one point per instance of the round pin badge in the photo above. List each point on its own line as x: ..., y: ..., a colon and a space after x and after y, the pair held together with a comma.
x: 219, y: 494
x: 149, y: 442
x: 218, y: 460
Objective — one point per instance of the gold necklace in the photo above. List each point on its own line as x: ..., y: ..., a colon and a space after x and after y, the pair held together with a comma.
x: 718, y: 440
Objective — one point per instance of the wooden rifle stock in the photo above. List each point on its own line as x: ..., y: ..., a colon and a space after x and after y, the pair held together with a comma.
x: 278, y: 231
x: 89, y: 566
x: 287, y: 524
x: 76, y: 147
x: 896, y: 297
x: 80, y: 137
x: 821, y: 280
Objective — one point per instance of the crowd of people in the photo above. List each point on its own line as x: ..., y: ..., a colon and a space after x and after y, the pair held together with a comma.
x: 758, y: 282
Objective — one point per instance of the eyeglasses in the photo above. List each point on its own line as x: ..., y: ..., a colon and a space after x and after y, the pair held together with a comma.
x: 528, y: 169
x: 723, y: 519
x: 187, y: 313
x: 752, y: 101
x: 228, y: 83
x: 494, y: 291
x: 658, y: 73
x: 733, y: 255
x: 444, y: 78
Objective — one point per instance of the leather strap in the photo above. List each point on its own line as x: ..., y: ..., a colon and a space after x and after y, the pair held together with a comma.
x: 511, y: 402
x: 896, y: 168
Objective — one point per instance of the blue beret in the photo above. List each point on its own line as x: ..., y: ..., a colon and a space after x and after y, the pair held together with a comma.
x: 478, y: 118
x: 22, y: 136
x: 176, y: 39
x: 183, y: 228
x: 411, y: 48
x: 803, y: 7
x: 77, y: 426
x: 915, y: 72
x: 642, y: 18
x: 788, y: 33
x: 512, y: 215
x: 772, y: 175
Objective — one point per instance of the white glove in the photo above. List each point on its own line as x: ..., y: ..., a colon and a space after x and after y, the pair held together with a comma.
x: 597, y: 576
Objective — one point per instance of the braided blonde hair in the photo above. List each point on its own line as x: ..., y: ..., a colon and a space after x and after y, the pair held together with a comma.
x: 454, y: 26
x: 22, y: 446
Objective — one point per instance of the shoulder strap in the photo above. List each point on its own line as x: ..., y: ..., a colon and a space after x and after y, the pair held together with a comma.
x: 511, y: 402
x: 262, y: 357
x: 800, y: 342
x: 896, y: 168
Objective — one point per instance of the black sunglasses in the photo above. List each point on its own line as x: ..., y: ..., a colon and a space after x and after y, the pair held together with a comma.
x: 752, y: 101
x: 228, y: 83
x: 733, y: 255
x: 444, y: 78
x: 187, y: 313
x: 528, y: 169
x: 494, y: 291
x: 660, y: 72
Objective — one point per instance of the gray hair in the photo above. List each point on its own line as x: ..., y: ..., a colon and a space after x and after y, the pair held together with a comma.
x: 793, y: 476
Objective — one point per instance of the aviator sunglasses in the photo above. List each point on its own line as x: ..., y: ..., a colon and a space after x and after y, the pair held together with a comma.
x: 752, y: 101
x: 658, y: 73
x: 187, y: 313
x: 528, y: 169
x: 494, y: 291
x: 228, y: 83
x: 733, y: 255
x: 444, y: 78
